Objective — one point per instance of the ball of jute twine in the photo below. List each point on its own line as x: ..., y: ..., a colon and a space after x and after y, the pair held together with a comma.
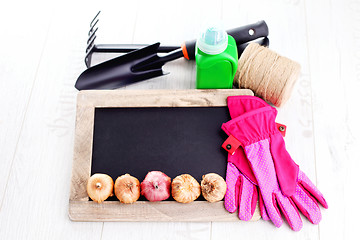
x: 269, y: 75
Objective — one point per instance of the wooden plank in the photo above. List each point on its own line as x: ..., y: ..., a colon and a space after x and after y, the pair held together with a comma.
x: 17, y: 76
x: 82, y: 210
x: 141, y: 211
x: 157, y: 98
x: 157, y: 230
x: 335, y: 82
x: 35, y: 203
x: 83, y: 152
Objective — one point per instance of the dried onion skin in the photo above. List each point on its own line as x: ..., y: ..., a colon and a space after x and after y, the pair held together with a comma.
x: 213, y: 187
x: 156, y: 186
x: 185, y: 188
x: 99, y: 187
x: 127, y: 188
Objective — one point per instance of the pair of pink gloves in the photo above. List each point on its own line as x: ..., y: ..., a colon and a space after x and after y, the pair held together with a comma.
x: 262, y: 167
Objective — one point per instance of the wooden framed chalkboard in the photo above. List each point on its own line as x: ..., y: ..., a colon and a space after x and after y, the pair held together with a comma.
x: 127, y: 131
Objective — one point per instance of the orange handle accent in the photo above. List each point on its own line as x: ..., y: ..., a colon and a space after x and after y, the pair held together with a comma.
x: 184, y: 50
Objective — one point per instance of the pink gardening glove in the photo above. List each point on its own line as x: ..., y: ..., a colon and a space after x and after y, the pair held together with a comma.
x: 282, y: 186
x: 242, y: 192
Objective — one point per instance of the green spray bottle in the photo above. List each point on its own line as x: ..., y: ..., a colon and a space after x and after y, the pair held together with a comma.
x: 216, y: 59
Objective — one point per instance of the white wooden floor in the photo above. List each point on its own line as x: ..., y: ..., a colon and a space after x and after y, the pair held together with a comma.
x: 42, y: 47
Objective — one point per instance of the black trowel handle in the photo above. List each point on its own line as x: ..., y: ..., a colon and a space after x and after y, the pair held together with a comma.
x: 241, y: 35
x: 249, y: 32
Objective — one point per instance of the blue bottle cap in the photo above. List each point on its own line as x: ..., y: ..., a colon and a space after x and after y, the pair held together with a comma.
x: 213, y: 40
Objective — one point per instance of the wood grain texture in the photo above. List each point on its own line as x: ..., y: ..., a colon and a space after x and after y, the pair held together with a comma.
x: 142, y: 211
x: 80, y: 209
x: 42, y: 52
x: 336, y: 111
x: 82, y: 152
x: 35, y: 203
x: 157, y: 98
x: 17, y: 79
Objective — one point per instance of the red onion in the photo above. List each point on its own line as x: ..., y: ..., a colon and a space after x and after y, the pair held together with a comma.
x: 156, y: 186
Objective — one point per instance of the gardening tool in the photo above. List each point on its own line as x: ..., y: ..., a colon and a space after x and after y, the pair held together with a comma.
x: 132, y: 67
x: 144, y: 63
x: 113, y: 48
x: 241, y: 35
x: 125, y: 48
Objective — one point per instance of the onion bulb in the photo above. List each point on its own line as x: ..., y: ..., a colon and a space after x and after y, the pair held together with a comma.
x: 213, y: 187
x: 156, y: 186
x: 100, y: 187
x: 185, y: 188
x: 127, y: 189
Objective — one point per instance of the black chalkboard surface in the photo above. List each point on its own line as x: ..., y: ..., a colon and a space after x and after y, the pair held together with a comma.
x: 174, y: 140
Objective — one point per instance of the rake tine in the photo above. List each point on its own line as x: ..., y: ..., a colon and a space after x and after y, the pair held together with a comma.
x: 90, y: 38
x: 92, y: 28
x: 95, y: 18
x: 90, y: 45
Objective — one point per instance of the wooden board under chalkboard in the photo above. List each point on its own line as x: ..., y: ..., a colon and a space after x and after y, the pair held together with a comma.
x: 126, y: 131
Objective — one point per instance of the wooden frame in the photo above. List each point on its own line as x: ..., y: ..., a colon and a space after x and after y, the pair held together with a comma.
x: 81, y: 209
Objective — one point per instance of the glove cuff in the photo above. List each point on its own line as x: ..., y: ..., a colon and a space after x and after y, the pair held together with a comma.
x: 252, y: 126
x: 239, y: 105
